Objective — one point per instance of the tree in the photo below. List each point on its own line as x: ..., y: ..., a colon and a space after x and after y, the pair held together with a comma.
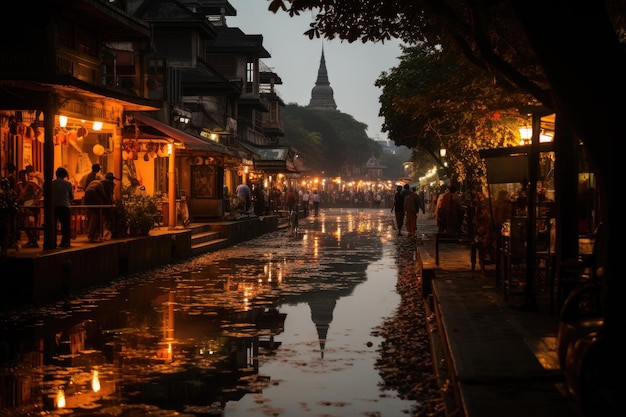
x: 419, y: 112
x: 334, y: 138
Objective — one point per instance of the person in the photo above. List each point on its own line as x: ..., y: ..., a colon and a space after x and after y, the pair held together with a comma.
x: 398, y: 206
x: 135, y: 188
x: 411, y: 209
x: 305, y: 203
x: 10, y: 169
x: 316, y: 202
x: 244, y: 195
x: 34, y: 175
x: 29, y: 194
x: 291, y: 200
x: 98, y: 192
x: 95, y: 174
x: 259, y: 199
x: 448, y: 207
x: 62, y: 197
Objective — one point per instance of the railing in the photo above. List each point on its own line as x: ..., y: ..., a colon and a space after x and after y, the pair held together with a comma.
x: 31, y: 218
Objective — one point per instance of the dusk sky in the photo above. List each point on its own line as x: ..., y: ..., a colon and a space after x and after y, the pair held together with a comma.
x: 352, y: 67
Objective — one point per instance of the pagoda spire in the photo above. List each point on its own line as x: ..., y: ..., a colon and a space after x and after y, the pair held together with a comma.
x: 322, y: 95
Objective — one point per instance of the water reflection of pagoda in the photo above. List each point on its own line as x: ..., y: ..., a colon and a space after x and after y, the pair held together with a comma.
x: 322, y: 308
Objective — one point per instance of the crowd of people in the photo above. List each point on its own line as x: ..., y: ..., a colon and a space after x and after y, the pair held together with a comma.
x: 27, y: 188
x: 22, y: 194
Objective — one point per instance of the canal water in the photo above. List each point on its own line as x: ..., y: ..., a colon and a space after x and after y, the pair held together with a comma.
x: 283, y: 325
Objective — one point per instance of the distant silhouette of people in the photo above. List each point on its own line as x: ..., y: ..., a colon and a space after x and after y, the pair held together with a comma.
x: 316, y: 202
x: 398, y: 206
x: 259, y: 199
x: 291, y: 199
x: 305, y: 202
x: 448, y: 209
x: 411, y: 209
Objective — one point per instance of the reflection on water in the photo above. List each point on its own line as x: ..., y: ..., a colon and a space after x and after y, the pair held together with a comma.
x: 272, y: 326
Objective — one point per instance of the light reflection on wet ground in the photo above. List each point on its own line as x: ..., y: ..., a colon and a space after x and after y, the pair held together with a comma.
x: 280, y: 325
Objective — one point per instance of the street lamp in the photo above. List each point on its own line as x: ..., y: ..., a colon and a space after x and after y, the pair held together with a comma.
x: 443, y: 152
x: 526, y: 133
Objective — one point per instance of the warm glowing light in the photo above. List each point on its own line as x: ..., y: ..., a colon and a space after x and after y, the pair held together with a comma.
x: 60, y: 400
x: 95, y: 381
x: 97, y: 126
x: 546, y: 137
x: 526, y: 132
x: 98, y: 149
x: 170, y: 148
x: 62, y: 121
x: 443, y: 152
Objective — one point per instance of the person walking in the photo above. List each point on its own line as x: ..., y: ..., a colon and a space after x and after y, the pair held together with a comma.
x: 316, y: 202
x: 448, y: 209
x: 291, y: 200
x: 62, y: 197
x: 411, y: 209
x: 305, y: 202
x: 398, y: 206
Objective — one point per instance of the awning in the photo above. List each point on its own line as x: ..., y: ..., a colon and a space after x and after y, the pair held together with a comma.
x: 188, y: 140
x: 272, y: 158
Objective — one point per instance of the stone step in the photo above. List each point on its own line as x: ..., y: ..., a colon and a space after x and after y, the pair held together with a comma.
x: 204, y: 240
x: 200, y: 237
x: 211, y: 245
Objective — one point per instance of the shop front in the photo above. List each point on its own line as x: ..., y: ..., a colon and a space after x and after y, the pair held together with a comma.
x: 191, y: 178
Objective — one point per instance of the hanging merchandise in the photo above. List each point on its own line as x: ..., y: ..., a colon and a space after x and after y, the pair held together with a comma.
x: 81, y: 132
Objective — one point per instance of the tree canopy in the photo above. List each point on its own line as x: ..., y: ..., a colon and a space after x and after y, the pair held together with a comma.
x: 328, y: 138
x: 434, y: 99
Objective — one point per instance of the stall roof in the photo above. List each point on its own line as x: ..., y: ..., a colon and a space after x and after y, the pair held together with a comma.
x: 189, y: 140
x: 272, y: 158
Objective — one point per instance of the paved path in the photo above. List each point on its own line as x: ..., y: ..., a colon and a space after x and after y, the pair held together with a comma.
x: 501, y: 361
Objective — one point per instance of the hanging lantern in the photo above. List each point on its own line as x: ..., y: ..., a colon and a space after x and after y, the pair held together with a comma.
x: 98, y: 149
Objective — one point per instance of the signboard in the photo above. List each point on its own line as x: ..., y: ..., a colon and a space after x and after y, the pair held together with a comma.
x: 507, y: 169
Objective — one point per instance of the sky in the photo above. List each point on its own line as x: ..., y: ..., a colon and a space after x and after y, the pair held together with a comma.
x: 353, y: 68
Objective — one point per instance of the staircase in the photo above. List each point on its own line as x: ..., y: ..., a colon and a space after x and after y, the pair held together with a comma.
x: 204, y: 240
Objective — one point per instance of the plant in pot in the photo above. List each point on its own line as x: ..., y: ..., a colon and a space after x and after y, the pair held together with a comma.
x: 140, y: 212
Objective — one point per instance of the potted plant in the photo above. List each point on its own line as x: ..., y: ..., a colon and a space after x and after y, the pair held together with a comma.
x: 140, y: 212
